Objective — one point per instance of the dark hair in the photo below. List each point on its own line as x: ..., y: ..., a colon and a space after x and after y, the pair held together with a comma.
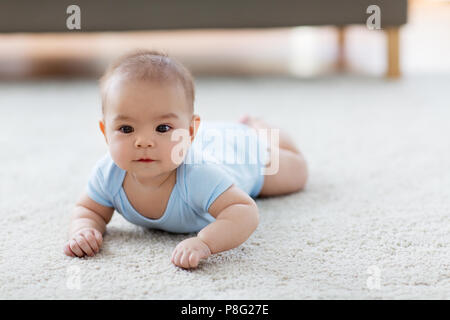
x: 149, y: 65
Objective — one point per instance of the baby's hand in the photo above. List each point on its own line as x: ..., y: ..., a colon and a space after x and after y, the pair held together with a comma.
x: 189, y: 252
x: 85, y: 242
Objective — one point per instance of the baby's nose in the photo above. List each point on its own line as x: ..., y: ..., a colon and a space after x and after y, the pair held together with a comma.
x: 141, y: 143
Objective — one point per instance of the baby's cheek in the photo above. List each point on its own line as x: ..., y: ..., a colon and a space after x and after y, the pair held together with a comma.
x: 120, y: 154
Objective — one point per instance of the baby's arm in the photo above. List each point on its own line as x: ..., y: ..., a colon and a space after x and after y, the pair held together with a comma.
x: 87, y: 225
x: 236, y: 216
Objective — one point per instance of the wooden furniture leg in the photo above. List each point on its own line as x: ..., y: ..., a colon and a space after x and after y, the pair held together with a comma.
x: 341, y: 61
x: 393, y: 59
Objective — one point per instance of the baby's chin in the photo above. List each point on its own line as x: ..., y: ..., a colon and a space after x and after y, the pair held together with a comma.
x: 142, y: 168
x: 149, y: 169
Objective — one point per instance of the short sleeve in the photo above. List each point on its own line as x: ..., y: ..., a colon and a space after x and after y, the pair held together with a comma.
x: 204, y: 183
x: 96, y: 188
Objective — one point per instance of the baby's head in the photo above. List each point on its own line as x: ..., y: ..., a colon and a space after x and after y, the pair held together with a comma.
x: 145, y: 97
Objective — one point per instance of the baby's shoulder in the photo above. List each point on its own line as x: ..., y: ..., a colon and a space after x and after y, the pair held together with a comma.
x: 203, y: 172
x: 109, y: 174
x: 202, y: 183
x: 202, y: 176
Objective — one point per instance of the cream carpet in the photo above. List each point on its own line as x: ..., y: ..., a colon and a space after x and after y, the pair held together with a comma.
x: 373, y: 222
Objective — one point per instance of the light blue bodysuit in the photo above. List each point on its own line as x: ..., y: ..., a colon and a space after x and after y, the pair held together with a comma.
x: 214, y: 162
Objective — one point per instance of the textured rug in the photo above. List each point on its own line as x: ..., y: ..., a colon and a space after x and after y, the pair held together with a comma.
x: 372, y: 223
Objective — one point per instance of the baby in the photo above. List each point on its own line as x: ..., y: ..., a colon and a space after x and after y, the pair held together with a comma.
x: 157, y: 175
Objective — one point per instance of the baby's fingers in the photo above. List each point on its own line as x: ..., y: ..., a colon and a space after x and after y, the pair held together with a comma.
x: 98, y: 236
x: 174, y: 252
x: 84, y: 245
x: 194, y: 258
x: 75, y: 248
x: 92, y: 242
x: 67, y: 251
x: 177, y: 258
x: 184, y: 260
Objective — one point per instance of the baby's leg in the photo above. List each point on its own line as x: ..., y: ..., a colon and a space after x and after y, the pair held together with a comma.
x: 285, y: 141
x: 292, y: 170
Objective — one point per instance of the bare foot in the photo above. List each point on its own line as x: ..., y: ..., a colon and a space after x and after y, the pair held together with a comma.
x: 285, y: 141
x: 244, y: 118
x: 254, y: 122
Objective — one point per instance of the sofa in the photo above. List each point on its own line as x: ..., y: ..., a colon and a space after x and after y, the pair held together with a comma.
x: 119, y: 15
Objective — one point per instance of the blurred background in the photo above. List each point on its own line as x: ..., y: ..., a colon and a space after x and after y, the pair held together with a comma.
x: 300, y: 51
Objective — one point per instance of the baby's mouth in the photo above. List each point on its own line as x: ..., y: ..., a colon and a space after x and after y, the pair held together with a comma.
x: 145, y: 160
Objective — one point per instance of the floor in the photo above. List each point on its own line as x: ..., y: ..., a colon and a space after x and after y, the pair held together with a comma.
x: 372, y: 223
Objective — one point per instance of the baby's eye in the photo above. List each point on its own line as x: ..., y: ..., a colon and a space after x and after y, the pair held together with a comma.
x: 163, y: 128
x: 126, y: 129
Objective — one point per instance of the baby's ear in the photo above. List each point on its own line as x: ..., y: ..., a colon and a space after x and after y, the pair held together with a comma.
x: 102, y: 129
x: 195, y: 123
